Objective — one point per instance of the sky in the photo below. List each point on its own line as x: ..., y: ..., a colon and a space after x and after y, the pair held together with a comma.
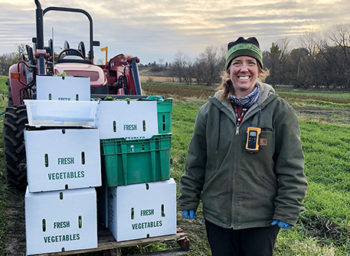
x: 161, y: 30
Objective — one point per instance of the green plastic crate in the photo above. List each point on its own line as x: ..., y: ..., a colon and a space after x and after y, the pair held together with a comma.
x: 164, y: 109
x: 136, y: 161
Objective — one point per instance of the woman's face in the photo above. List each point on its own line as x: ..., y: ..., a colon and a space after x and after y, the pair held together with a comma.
x: 243, y: 72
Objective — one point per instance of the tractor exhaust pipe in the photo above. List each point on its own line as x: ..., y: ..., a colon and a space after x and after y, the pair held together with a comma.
x: 39, y: 41
x: 135, y: 75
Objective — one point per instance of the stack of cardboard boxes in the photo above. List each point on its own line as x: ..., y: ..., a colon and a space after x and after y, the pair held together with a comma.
x: 66, y: 136
x: 139, y: 198
x: 63, y: 167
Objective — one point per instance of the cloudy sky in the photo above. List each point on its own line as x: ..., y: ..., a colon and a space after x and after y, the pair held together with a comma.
x: 158, y: 30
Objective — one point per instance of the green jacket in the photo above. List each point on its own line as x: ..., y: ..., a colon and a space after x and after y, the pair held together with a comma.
x: 240, y: 189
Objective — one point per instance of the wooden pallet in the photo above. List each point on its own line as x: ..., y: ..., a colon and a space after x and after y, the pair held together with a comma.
x: 108, y: 245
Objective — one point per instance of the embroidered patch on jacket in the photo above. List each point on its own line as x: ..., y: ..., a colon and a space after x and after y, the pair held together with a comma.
x: 263, y: 142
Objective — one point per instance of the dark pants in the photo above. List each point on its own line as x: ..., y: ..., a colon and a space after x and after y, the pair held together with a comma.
x: 244, y: 242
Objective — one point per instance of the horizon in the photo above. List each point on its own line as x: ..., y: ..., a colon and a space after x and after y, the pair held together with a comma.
x: 157, y: 31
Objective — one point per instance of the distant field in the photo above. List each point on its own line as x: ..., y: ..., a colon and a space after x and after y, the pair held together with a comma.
x: 145, y: 78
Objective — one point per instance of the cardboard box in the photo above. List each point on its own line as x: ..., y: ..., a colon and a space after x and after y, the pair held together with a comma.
x: 63, y: 88
x: 61, y: 113
x: 62, y: 159
x: 127, y: 119
x: 142, y: 210
x: 61, y: 220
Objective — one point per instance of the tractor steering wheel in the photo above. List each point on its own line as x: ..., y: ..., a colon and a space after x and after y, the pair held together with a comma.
x: 69, y: 52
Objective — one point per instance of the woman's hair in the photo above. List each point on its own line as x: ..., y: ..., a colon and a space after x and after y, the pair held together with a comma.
x: 226, y: 85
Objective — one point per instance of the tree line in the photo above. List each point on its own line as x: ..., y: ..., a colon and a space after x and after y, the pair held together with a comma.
x: 320, y: 61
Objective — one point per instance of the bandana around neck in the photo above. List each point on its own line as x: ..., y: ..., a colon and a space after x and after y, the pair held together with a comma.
x: 248, y: 100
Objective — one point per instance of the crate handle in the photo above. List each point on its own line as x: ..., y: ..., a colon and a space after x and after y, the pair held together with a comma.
x: 125, y: 163
x: 82, y: 158
x: 114, y: 126
x: 44, y: 225
x: 132, y: 213
x: 163, y: 122
x: 153, y: 159
x: 162, y: 210
x: 46, y: 160
x: 80, y: 221
x: 77, y: 97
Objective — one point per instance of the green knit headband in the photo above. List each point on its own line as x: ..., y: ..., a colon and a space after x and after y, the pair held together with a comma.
x: 243, y: 49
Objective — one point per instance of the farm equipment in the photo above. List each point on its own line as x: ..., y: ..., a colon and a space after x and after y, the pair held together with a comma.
x: 118, y: 77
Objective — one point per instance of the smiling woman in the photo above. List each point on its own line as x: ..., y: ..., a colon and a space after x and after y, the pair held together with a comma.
x: 245, y: 161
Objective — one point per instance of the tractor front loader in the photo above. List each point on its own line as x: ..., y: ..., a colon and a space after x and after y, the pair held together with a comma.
x: 118, y: 77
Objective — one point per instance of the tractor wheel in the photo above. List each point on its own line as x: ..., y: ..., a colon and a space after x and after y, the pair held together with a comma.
x: 9, y: 97
x: 14, y: 149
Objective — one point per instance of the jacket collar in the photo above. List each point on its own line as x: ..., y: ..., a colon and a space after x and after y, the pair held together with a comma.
x: 267, y: 94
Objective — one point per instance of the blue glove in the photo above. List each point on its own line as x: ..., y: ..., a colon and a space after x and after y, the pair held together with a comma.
x: 188, y: 214
x: 280, y: 223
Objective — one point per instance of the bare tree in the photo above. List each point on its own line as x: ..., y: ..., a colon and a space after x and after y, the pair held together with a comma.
x: 208, y: 66
x: 283, y: 58
x: 6, y: 60
x: 311, y: 42
x: 180, y: 68
x: 339, y: 35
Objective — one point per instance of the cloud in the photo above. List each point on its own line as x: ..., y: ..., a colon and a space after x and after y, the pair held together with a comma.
x: 159, y: 29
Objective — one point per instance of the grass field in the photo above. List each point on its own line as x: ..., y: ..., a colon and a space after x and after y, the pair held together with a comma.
x: 323, y: 229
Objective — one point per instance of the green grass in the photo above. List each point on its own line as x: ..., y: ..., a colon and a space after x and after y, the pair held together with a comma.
x: 323, y: 228
x: 327, y: 166
x: 3, y: 187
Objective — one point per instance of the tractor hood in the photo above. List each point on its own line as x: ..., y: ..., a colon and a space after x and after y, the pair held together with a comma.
x: 96, y: 74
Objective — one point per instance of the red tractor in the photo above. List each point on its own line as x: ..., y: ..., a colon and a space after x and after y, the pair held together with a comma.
x: 119, y: 77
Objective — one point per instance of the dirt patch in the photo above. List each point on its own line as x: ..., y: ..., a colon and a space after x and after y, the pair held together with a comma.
x: 321, y: 227
x: 327, y: 112
x: 181, y: 91
x: 321, y: 98
x: 150, y: 79
x: 15, y: 237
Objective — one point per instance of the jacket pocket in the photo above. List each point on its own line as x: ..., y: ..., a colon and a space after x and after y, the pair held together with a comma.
x: 267, y: 142
x: 261, y: 164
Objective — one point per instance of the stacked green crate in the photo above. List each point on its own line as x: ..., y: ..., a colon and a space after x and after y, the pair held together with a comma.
x: 164, y: 109
x: 143, y: 160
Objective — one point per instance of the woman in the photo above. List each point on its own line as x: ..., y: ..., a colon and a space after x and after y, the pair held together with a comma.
x: 245, y: 160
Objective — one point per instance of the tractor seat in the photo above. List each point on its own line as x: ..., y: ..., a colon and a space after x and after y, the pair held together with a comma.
x: 73, y: 59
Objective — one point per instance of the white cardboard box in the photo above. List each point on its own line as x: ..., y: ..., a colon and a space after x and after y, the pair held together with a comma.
x: 62, y: 159
x: 61, y: 113
x: 63, y: 88
x: 61, y: 220
x: 142, y: 210
x: 127, y: 119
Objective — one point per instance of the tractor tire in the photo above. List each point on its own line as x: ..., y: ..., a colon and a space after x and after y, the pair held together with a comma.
x: 14, y: 148
x: 9, y: 97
